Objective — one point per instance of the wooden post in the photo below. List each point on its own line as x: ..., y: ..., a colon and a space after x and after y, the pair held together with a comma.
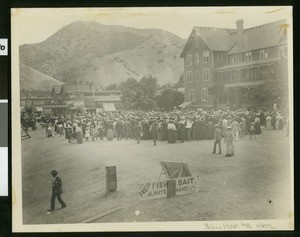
x: 171, y: 188
x: 111, y: 179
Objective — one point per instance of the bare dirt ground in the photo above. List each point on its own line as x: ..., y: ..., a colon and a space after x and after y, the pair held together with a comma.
x: 254, y: 184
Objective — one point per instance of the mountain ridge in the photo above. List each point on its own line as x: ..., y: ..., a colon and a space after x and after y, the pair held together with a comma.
x: 88, y: 51
x: 33, y: 80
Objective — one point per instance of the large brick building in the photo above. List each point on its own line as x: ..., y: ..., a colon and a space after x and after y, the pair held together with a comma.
x: 239, y: 58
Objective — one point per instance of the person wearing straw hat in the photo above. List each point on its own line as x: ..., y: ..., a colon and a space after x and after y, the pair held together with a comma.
x: 56, y: 191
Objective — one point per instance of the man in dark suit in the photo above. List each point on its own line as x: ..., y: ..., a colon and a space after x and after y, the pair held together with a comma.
x: 56, y: 191
x: 154, y: 131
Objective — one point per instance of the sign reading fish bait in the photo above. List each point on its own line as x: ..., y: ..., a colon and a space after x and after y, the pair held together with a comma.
x: 158, y: 189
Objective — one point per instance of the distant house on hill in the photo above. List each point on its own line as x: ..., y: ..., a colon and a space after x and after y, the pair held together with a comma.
x: 34, y: 101
x: 87, y: 97
x: 108, y: 103
x: 239, y: 59
x: 70, y: 90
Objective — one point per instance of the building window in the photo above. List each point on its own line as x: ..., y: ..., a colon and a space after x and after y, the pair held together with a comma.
x: 192, y: 94
x: 226, y: 75
x: 205, y: 74
x: 247, y: 56
x: 189, y: 77
x: 273, y: 71
x: 244, y: 72
x: 263, y: 72
x: 197, y: 59
x: 233, y: 58
x: 204, y: 94
x: 235, y: 75
x: 263, y: 53
x: 283, y: 51
x: 197, y: 75
x: 253, y: 73
x: 189, y: 60
x: 205, y: 56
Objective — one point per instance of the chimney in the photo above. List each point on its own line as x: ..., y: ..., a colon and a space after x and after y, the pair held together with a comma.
x: 240, y: 34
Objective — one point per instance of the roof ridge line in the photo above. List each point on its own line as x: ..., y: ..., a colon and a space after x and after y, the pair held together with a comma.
x: 209, y: 27
x: 273, y: 22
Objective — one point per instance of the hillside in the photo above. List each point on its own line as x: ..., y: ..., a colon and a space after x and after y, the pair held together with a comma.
x: 31, y: 79
x: 90, y: 51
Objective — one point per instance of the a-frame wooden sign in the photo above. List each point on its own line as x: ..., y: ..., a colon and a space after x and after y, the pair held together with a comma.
x: 174, y: 169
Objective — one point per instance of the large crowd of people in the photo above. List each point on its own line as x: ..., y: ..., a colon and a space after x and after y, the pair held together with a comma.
x: 174, y: 126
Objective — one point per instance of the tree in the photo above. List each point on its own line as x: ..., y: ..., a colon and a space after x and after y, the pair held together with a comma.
x: 128, y: 92
x: 217, y: 90
x: 268, y: 93
x: 168, y: 99
x: 180, y: 82
x: 139, y: 95
x: 146, y: 90
x: 272, y: 91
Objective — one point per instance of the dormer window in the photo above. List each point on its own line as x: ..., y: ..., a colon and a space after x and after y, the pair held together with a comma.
x: 283, y: 51
x: 233, y: 58
x: 247, y: 56
x: 263, y: 53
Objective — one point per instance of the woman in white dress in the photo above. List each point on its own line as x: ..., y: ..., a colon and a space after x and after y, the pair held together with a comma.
x: 268, y: 122
x: 87, y: 133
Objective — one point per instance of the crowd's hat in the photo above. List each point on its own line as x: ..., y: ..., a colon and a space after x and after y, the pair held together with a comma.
x: 216, y: 125
x: 54, y: 172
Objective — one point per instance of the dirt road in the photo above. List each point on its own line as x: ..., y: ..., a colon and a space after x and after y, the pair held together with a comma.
x: 254, y: 184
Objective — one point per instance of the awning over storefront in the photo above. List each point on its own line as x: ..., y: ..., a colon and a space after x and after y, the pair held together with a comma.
x: 109, y: 107
x: 185, y: 104
x: 39, y: 109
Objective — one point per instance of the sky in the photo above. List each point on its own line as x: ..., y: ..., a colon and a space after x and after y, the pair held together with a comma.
x: 37, y: 24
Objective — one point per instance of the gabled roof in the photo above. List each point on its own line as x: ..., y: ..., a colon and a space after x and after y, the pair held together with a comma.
x: 223, y: 39
x: 67, y: 88
x: 35, y: 94
x: 24, y: 94
x: 263, y: 36
x: 217, y: 39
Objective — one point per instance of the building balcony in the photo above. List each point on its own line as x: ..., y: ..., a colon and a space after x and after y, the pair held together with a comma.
x: 266, y: 61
